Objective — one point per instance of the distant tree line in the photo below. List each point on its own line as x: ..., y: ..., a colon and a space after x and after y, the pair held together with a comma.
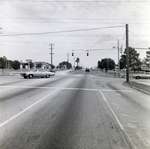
x: 135, y: 62
x: 65, y: 65
x: 5, y: 63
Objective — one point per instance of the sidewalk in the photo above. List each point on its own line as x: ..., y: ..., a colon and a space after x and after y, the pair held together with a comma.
x: 145, y: 88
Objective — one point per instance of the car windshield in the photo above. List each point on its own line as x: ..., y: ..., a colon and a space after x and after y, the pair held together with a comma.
x: 41, y: 70
x: 33, y: 70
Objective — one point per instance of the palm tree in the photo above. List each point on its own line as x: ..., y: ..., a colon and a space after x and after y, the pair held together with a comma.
x: 77, y: 60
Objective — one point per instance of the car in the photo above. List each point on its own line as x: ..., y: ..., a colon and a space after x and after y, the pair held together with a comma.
x: 87, y: 70
x: 141, y: 76
x: 37, y: 73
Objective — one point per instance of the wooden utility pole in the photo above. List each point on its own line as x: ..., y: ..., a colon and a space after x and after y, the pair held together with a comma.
x: 127, y: 54
x: 68, y: 57
x: 68, y: 60
x: 118, y: 60
x: 51, y: 48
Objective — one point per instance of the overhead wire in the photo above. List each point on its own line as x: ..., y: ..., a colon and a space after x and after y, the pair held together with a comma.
x: 139, y: 38
x: 73, y: 1
x: 18, y: 40
x: 65, y: 31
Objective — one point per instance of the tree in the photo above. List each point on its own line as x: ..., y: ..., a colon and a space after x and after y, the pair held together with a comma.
x: 147, y: 59
x: 31, y: 64
x: 123, y: 61
x: 106, y: 63
x: 39, y: 65
x: 134, y: 60
x: 65, y: 64
x: 16, y: 64
x: 2, y: 63
x: 100, y: 65
x: 77, y: 60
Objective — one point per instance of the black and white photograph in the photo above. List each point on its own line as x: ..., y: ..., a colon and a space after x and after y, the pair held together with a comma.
x: 74, y: 74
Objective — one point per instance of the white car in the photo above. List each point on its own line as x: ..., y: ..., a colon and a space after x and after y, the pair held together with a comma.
x: 141, y: 76
x: 37, y: 73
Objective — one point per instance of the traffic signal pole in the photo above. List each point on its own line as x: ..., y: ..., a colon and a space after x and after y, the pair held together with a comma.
x: 127, y: 54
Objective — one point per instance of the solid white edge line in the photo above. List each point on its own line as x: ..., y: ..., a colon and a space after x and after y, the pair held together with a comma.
x: 121, y: 127
x: 23, y: 111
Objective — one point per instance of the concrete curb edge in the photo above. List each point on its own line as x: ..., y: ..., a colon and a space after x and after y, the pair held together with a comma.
x: 138, y: 89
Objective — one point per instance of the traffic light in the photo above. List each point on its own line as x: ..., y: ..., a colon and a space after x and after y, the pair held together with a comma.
x: 72, y: 54
x: 87, y: 52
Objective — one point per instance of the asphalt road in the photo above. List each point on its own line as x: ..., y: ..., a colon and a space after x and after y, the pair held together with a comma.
x: 75, y: 110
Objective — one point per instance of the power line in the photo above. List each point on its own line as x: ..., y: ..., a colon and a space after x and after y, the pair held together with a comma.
x: 138, y: 37
x: 12, y: 24
x: 46, y: 1
x: 67, y: 31
x: 68, y: 19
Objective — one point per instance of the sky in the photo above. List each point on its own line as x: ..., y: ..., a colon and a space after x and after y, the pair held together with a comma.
x: 28, y: 27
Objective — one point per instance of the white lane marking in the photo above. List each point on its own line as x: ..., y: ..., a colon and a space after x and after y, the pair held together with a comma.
x: 7, y: 89
x: 121, y: 127
x: 23, y: 111
x: 64, y: 88
x: 29, y: 87
x: 105, y: 90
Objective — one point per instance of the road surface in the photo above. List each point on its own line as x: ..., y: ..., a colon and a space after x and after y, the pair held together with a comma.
x: 75, y: 110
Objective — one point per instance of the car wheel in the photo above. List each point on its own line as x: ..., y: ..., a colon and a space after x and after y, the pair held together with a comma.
x: 25, y: 77
x: 30, y: 76
x: 137, y: 77
x: 47, y: 76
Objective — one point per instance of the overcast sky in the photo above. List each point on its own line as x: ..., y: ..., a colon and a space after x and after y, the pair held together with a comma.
x: 29, y: 26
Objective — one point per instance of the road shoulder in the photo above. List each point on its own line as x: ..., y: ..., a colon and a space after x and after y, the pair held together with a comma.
x: 138, y: 86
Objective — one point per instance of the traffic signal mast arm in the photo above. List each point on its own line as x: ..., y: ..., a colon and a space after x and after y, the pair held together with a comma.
x: 89, y: 50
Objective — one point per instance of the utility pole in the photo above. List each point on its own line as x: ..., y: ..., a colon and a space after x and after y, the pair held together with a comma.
x: 67, y: 60
x: 68, y: 57
x: 118, y: 60
x: 51, y: 48
x: 127, y: 54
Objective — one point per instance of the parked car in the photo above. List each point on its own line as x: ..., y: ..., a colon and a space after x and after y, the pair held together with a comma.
x: 141, y: 76
x: 37, y: 73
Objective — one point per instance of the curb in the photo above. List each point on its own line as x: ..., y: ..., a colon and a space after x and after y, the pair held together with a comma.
x: 138, y: 89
